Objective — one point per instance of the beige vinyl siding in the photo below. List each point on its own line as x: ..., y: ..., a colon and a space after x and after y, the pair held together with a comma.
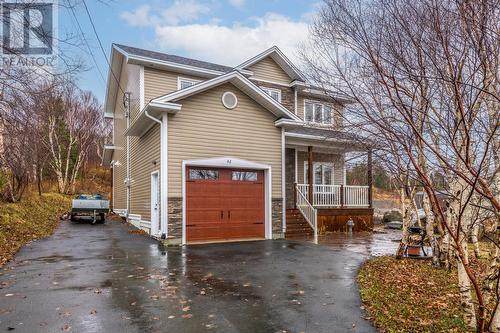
x: 129, y: 82
x: 158, y: 82
x: 338, y: 165
x: 300, y: 106
x: 204, y: 128
x: 145, y: 153
x: 267, y: 69
x: 119, y: 156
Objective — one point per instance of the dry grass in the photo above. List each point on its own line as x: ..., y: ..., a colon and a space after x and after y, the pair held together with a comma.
x: 380, y: 194
x: 33, y: 218
x: 410, y: 296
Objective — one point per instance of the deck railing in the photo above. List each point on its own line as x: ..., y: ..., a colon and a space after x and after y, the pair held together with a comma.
x: 337, y: 195
x: 356, y: 196
x: 308, y: 211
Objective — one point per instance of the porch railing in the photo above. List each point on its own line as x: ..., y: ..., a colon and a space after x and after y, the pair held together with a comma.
x: 308, y: 211
x: 338, y: 195
x: 356, y: 196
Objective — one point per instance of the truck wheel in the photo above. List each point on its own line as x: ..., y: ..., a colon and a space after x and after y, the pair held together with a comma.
x: 102, y: 217
x: 72, y: 217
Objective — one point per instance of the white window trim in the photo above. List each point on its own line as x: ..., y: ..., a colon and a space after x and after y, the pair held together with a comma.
x: 180, y: 78
x: 330, y: 164
x: 313, y: 102
x: 267, y: 89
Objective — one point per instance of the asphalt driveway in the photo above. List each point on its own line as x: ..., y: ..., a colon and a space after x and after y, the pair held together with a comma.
x: 103, y: 278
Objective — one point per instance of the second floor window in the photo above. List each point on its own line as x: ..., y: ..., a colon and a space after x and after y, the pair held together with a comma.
x: 318, y: 113
x: 274, y: 93
x: 183, y: 83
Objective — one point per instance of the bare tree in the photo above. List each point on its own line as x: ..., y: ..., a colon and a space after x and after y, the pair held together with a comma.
x: 425, y: 78
x: 73, y: 121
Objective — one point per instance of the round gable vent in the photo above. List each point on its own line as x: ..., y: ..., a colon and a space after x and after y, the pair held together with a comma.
x: 229, y: 100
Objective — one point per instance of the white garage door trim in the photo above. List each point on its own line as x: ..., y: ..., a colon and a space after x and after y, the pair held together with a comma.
x: 231, y: 163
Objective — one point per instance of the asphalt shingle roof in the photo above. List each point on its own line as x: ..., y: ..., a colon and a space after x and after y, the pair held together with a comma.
x: 173, y: 58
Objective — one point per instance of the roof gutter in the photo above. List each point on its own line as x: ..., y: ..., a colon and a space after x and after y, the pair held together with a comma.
x: 151, y: 117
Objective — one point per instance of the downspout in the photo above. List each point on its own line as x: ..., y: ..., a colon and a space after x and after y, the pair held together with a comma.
x: 296, y: 100
x: 126, y: 100
x: 152, y: 118
x: 163, y: 173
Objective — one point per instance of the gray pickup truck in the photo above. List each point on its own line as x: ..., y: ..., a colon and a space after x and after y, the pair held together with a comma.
x: 90, y: 205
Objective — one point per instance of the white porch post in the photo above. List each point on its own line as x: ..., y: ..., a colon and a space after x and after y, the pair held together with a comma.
x: 283, y: 181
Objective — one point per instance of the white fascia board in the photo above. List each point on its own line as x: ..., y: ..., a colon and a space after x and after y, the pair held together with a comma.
x: 289, y: 123
x: 257, y: 58
x: 165, y: 106
x: 235, y: 75
x: 245, y: 72
x: 309, y: 136
x: 329, y: 94
x: 298, y: 83
x: 111, y: 78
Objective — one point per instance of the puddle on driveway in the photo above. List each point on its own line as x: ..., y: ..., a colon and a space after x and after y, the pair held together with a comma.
x: 378, y: 243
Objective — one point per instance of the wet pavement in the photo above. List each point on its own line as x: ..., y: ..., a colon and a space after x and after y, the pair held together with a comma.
x: 102, y: 278
x: 377, y: 243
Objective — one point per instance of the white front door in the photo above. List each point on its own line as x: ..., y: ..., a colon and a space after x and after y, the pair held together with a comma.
x: 155, y: 204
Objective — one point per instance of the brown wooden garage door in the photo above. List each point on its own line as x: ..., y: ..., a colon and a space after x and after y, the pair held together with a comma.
x: 224, y: 204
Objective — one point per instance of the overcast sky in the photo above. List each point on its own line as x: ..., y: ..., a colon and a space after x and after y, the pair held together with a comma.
x: 223, y: 31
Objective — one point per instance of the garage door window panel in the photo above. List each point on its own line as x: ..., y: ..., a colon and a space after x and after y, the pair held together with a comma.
x: 244, y: 176
x: 203, y: 174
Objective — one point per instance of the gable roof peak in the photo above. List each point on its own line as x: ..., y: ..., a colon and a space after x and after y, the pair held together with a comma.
x: 240, y: 82
x: 279, y: 57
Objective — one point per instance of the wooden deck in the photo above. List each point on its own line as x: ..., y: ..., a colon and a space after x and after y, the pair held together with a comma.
x: 335, y: 219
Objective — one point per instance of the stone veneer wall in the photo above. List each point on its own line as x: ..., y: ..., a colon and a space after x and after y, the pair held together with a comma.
x: 277, y: 218
x: 289, y: 177
x: 175, y: 220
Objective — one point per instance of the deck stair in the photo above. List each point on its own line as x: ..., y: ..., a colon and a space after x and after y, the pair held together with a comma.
x: 296, y: 225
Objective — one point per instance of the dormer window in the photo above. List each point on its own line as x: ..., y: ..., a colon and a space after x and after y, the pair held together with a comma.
x: 183, y: 82
x: 274, y: 93
x: 318, y: 113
